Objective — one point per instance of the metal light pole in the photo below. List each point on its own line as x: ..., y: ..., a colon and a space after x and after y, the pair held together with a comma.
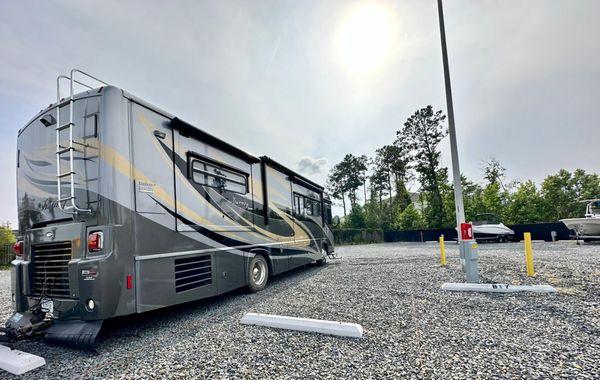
x: 468, y: 252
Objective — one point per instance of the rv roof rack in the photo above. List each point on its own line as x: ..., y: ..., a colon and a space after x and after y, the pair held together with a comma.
x: 72, y: 81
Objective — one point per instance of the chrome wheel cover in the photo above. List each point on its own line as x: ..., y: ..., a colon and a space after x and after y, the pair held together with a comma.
x: 259, y: 272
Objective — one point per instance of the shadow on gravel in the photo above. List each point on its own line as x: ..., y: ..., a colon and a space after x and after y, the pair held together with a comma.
x: 117, y: 330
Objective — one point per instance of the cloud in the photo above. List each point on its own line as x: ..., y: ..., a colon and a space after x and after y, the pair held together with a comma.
x: 266, y: 77
x: 309, y: 165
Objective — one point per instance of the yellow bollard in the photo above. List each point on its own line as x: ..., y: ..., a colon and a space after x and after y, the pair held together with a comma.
x: 442, y: 251
x: 528, y: 254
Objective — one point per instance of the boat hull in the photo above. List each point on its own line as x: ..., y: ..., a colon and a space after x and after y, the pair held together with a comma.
x: 492, y: 232
x: 584, y: 226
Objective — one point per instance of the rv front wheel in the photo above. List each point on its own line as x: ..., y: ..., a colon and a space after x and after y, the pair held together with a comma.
x: 258, y: 273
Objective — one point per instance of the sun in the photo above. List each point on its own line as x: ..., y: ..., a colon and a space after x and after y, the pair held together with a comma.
x: 365, y: 38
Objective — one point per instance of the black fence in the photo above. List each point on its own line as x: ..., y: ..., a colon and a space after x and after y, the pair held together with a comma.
x: 357, y: 236
x: 420, y: 235
x: 6, y: 254
x: 542, y: 231
x: 539, y: 231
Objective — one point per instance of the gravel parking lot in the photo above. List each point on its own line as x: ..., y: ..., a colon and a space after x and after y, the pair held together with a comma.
x: 412, y: 328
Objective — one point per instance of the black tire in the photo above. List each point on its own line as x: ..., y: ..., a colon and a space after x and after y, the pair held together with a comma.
x: 258, y: 273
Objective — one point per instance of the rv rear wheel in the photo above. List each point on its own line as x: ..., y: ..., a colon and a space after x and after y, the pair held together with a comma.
x: 258, y: 273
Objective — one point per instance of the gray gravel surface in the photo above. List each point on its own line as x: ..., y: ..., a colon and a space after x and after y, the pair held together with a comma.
x: 412, y: 328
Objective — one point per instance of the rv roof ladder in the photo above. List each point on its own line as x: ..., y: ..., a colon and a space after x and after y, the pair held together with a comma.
x: 67, y: 202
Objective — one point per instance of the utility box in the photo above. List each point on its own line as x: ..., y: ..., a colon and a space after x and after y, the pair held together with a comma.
x: 466, y: 231
x: 468, y: 252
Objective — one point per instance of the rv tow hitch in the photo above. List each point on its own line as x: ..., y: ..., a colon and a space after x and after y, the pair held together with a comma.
x: 24, y: 326
x: 33, y: 325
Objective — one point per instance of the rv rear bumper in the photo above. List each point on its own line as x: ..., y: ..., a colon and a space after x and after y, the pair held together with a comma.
x: 55, y: 268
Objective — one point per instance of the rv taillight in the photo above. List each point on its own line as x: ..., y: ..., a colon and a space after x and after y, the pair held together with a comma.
x: 95, y: 241
x: 18, y: 248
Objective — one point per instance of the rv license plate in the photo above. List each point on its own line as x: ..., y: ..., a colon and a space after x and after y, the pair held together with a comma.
x: 48, y: 306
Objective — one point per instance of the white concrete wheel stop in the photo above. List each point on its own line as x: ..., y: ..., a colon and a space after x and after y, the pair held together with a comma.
x: 352, y: 330
x: 496, y: 288
x: 18, y: 362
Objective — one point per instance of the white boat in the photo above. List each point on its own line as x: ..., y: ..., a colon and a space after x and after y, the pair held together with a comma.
x: 489, y: 227
x: 587, y: 228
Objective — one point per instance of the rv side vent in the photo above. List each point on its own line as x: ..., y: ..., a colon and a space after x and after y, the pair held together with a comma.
x: 192, y: 273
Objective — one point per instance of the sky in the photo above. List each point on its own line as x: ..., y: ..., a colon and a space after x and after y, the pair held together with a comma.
x: 306, y: 82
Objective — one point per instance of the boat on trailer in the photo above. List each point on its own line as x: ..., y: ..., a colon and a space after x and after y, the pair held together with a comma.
x: 488, y: 227
x: 125, y: 208
x: 588, y: 227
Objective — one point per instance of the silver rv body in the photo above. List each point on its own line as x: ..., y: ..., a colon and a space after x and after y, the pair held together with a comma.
x: 180, y: 212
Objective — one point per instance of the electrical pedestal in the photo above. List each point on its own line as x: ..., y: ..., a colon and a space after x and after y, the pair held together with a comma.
x: 468, y: 259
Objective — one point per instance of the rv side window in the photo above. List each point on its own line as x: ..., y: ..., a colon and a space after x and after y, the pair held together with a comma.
x: 316, y: 208
x: 213, y: 175
x: 298, y: 205
x: 304, y: 206
x: 309, y: 206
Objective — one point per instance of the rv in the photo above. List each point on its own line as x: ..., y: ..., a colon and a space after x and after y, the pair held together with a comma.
x: 124, y: 208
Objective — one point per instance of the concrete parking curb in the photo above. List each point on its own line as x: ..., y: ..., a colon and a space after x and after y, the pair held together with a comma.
x: 352, y: 330
x: 497, y: 288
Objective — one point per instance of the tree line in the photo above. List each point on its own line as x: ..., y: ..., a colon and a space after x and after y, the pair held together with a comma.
x: 6, y: 235
x: 374, y: 192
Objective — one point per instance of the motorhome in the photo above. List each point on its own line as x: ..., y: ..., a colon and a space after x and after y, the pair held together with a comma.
x: 125, y: 208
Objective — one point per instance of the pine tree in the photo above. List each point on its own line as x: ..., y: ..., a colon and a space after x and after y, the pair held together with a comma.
x: 422, y: 134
